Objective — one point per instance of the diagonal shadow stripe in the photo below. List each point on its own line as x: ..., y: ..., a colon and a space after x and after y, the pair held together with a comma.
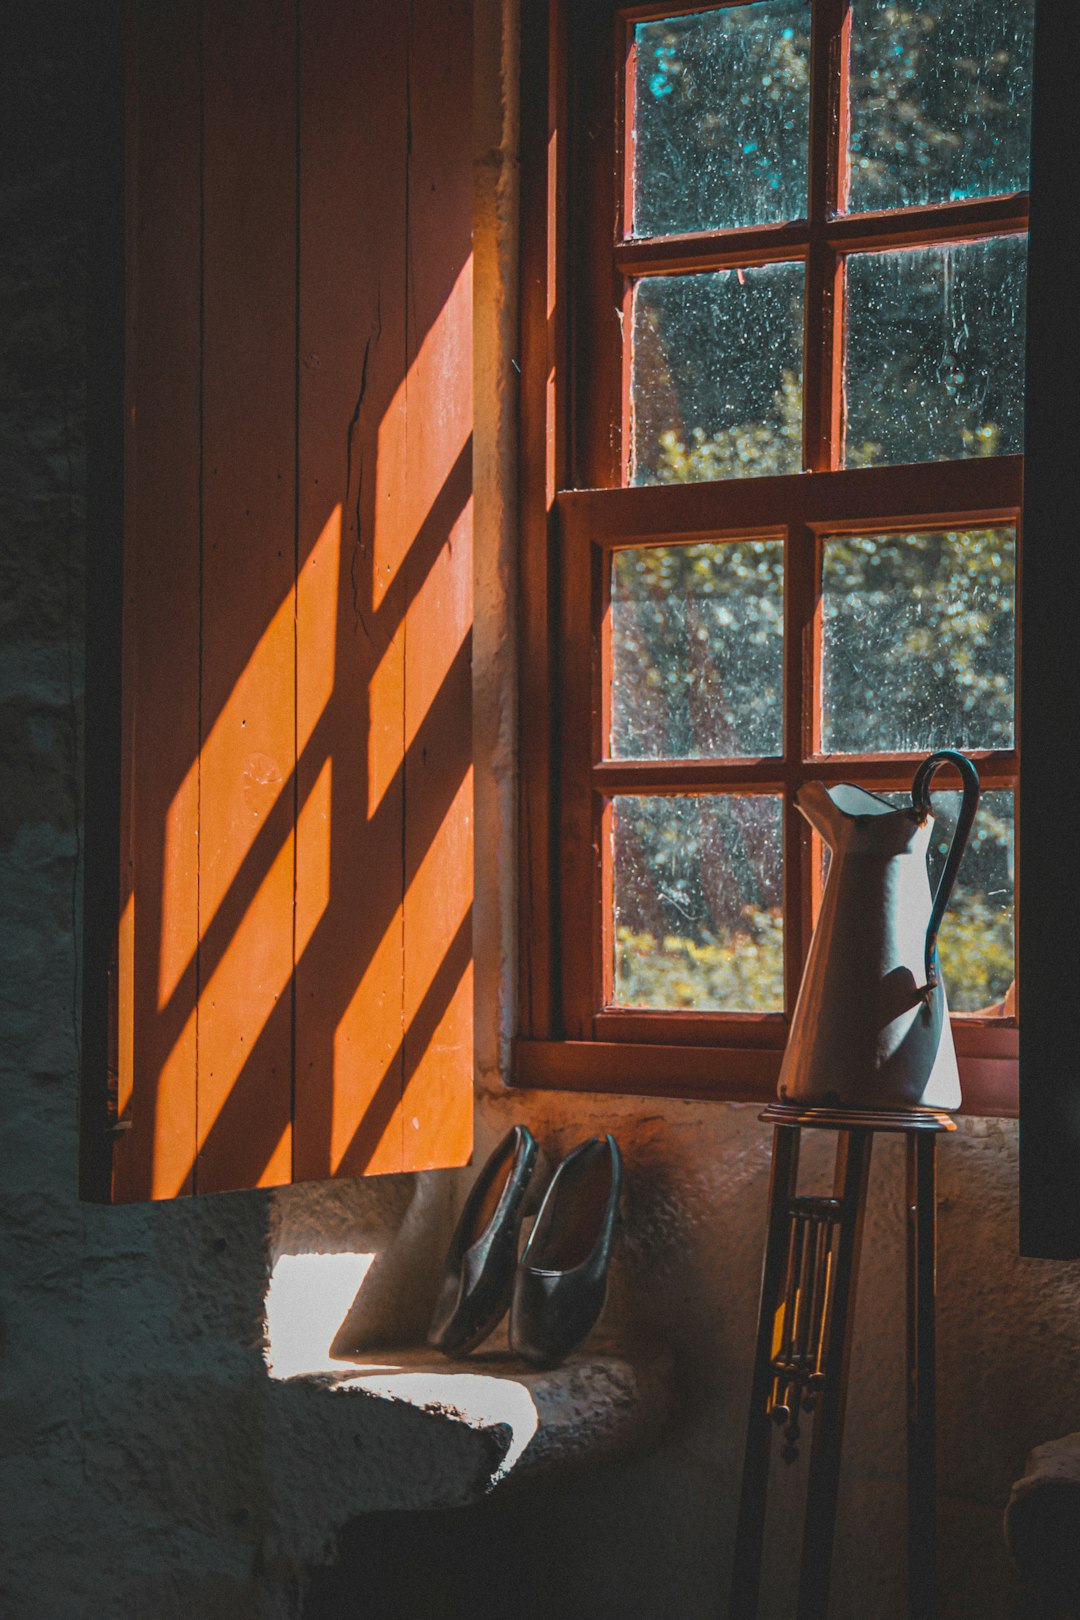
x: 415, y: 1042
x: 247, y: 1151
x: 432, y: 741
x: 445, y: 512
x: 244, y: 1114
x: 431, y: 537
x: 250, y: 1151
x: 363, y: 908
x: 263, y: 851
x: 422, y: 552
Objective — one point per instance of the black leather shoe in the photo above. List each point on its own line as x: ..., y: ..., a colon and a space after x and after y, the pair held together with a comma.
x: 480, y: 1263
x: 561, y: 1280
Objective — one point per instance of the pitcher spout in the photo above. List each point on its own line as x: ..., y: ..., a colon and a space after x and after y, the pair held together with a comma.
x: 814, y: 802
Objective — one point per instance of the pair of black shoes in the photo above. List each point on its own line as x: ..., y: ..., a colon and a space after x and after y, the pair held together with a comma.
x: 556, y: 1291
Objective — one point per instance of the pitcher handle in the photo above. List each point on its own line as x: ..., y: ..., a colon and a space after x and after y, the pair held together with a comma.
x: 920, y: 805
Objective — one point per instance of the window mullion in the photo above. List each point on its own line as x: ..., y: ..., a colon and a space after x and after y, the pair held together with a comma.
x: 802, y: 635
x: 829, y: 53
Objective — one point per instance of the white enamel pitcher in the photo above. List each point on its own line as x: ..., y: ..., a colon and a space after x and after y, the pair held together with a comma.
x: 871, y: 1025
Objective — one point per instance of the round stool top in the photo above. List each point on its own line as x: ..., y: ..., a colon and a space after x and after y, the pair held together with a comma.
x: 860, y: 1119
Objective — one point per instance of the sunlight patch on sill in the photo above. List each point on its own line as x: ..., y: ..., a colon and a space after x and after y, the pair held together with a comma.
x: 307, y: 1300
x: 482, y: 1400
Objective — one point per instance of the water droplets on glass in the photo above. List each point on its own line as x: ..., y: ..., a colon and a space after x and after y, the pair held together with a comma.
x: 716, y: 381
x: 697, y: 650
x: 940, y: 101
x: 977, y: 942
x: 721, y: 118
x: 934, y: 353
x: 697, y: 887
x: 918, y: 646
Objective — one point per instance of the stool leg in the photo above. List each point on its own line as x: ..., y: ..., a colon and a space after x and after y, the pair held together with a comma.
x: 852, y: 1172
x: 746, y: 1575
x: 921, y: 1416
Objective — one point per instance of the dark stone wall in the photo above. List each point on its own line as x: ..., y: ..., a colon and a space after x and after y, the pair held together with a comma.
x: 43, y: 232
x: 130, y: 1339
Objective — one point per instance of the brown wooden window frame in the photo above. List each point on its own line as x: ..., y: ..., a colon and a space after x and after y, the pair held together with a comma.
x: 577, y: 277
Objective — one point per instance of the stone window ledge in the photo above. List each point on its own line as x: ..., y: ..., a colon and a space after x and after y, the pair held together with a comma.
x: 410, y: 1430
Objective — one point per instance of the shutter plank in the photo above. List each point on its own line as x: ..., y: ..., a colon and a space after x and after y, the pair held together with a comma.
x: 352, y: 312
x: 247, y: 780
x: 159, y: 930
x: 436, y: 509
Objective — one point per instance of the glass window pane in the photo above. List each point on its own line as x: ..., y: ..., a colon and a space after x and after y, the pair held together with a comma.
x: 721, y: 118
x: 918, y: 644
x: 716, y: 384
x: 976, y: 942
x: 976, y: 945
x: 940, y: 100
x: 697, y: 902
x: 934, y: 362
x: 697, y: 650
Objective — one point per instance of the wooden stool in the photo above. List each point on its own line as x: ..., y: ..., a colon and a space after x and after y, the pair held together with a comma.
x: 803, y: 1345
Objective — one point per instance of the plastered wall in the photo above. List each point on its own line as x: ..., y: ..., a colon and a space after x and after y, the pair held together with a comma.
x: 140, y: 1472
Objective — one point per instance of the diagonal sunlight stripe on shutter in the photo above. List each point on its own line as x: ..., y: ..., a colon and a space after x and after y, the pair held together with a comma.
x: 256, y: 967
x: 441, y: 888
x: 422, y: 433
x: 231, y: 820
x: 316, y: 628
x: 437, y: 626
x: 172, y: 1116
x: 436, y: 1127
x: 371, y: 1039
x: 367, y: 1046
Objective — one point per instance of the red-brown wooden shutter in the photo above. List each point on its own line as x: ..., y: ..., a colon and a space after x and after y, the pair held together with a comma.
x: 295, y: 942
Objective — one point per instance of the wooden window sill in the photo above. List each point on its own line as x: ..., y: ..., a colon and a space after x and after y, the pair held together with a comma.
x: 987, y: 1059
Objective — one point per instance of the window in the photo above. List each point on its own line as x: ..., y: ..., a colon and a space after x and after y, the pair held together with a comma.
x: 774, y: 535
